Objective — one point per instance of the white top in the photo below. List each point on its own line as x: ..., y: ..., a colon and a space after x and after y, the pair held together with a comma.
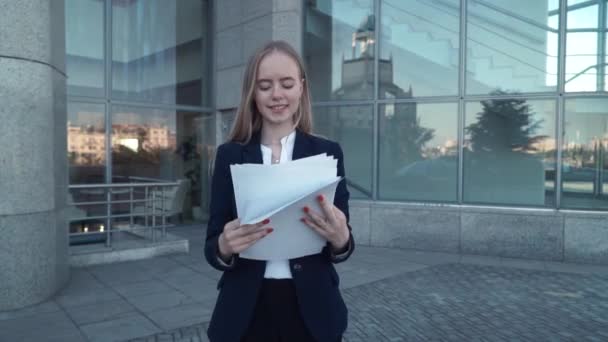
x: 279, y: 269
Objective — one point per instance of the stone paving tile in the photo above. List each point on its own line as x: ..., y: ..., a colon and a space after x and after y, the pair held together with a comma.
x: 99, y: 312
x: 468, y: 302
x: 120, y: 329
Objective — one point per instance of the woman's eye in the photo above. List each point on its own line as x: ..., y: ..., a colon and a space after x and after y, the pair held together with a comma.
x: 264, y: 88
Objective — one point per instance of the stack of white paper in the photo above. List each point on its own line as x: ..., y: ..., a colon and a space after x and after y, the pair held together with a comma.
x: 280, y: 192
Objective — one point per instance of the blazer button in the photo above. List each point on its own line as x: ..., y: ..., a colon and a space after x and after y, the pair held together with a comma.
x: 297, y: 267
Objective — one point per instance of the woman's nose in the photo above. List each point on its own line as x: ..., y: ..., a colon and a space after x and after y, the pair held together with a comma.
x: 277, y: 92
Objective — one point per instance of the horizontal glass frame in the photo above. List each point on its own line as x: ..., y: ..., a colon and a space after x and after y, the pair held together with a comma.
x: 339, y: 41
x: 585, y: 154
x: 84, y: 40
x: 352, y: 128
x: 159, y: 51
x: 419, y: 48
x: 418, y: 151
x: 510, y: 152
x: 510, y: 47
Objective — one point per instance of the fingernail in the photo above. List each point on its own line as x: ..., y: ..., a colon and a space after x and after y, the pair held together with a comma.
x: 266, y: 221
x: 306, y: 210
x: 303, y: 220
x: 269, y: 230
x: 320, y: 198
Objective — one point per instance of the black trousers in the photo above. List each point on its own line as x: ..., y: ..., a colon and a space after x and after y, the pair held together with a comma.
x: 276, y: 317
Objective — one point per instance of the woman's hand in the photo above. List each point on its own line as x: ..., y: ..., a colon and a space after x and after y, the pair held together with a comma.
x: 236, y: 237
x: 331, y: 224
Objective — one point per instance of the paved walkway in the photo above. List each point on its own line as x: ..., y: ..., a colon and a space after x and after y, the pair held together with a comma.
x: 392, y: 295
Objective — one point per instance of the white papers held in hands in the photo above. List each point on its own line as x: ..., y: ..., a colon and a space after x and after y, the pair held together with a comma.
x: 280, y: 192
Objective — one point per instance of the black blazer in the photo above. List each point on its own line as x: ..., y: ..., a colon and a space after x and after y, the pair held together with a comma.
x: 315, y: 278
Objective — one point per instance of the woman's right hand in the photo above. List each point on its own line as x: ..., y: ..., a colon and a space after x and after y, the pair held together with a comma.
x: 236, y: 237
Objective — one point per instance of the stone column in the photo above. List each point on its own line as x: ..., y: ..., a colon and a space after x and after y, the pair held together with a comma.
x: 241, y: 27
x: 33, y: 153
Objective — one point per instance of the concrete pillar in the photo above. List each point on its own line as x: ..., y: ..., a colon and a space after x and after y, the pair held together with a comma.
x: 241, y: 27
x: 33, y: 152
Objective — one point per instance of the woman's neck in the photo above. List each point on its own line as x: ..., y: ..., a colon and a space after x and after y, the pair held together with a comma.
x: 272, y: 135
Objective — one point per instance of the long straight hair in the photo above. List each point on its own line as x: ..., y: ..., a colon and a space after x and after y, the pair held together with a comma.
x: 248, y: 119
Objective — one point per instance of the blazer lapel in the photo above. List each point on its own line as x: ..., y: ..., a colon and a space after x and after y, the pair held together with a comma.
x: 302, y: 147
x: 252, y: 153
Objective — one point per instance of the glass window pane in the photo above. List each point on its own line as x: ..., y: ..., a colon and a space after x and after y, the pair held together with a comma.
x: 582, y: 17
x: 581, y: 62
x: 84, y: 47
x: 351, y: 126
x: 419, y: 48
x: 510, y: 47
x: 418, y: 151
x: 339, y: 49
x: 585, y: 154
x: 509, y: 152
x: 150, y: 144
x: 86, y: 143
x: 159, y: 51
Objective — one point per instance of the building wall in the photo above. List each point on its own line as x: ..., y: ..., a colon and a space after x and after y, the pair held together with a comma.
x: 33, y: 162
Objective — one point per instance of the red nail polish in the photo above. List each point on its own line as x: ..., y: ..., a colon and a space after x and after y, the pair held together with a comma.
x: 266, y: 221
x: 306, y: 210
x: 269, y: 230
x: 320, y: 198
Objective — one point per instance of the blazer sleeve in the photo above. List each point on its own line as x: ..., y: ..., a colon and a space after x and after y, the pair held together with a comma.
x: 341, y: 202
x: 220, y: 209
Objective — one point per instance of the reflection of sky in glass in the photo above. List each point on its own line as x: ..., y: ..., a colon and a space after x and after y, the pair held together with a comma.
x: 86, y: 114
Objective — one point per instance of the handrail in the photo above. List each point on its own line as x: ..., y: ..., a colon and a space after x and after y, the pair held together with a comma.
x: 149, y: 203
x: 582, y: 72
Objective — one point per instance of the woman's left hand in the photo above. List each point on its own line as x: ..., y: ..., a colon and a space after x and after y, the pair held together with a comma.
x: 331, y: 223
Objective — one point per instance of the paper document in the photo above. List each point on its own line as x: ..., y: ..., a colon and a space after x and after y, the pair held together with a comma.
x: 280, y: 192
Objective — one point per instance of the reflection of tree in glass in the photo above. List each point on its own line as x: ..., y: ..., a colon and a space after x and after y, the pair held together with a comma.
x: 404, y: 134
x: 504, y: 124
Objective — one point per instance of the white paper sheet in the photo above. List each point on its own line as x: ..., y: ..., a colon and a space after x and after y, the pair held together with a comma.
x: 280, y: 192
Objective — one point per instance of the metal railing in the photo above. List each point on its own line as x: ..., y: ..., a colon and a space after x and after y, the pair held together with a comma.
x: 147, y: 200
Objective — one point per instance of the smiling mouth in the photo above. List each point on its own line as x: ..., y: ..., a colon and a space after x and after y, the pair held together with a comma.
x: 278, y: 107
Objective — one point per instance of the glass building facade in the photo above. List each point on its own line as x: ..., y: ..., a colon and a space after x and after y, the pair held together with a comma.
x: 472, y: 102
x: 139, y: 105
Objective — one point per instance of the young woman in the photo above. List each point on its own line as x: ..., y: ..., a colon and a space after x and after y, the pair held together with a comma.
x: 287, y: 300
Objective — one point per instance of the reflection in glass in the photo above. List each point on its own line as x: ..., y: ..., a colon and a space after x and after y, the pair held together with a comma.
x: 84, y: 47
x: 351, y: 127
x: 339, y: 54
x: 86, y: 142
x: 581, y: 61
x: 418, y: 152
x: 585, y: 155
x: 582, y: 17
x: 509, y: 152
x: 510, y: 47
x: 163, y: 145
x: 419, y: 48
x: 159, y: 51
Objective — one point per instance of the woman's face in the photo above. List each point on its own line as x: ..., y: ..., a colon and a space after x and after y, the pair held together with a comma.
x: 278, y: 89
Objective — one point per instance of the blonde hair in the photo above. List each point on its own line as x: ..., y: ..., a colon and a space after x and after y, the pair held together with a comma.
x: 248, y: 119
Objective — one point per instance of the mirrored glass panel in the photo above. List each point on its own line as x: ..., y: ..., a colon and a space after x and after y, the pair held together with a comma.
x: 419, y: 48
x: 339, y: 44
x: 509, y: 152
x: 511, y: 45
x: 84, y: 42
x: 159, y: 51
x: 86, y: 143
x: 581, y: 62
x: 585, y: 154
x: 418, y: 151
x: 159, y: 145
x: 351, y: 127
x: 583, y: 15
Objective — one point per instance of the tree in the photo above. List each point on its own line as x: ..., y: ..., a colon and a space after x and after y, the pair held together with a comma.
x: 504, y: 124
